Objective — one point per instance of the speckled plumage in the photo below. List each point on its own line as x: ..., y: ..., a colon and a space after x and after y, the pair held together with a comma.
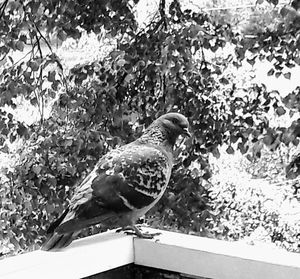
x: 124, y: 184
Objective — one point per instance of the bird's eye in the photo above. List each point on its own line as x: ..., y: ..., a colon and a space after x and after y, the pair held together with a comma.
x: 174, y: 121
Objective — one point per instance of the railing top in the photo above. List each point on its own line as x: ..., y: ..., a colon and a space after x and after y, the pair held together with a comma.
x: 237, y: 249
x: 188, y: 254
x: 210, y: 258
x: 84, y: 257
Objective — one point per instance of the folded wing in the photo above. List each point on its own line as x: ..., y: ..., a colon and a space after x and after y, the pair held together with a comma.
x: 125, y: 181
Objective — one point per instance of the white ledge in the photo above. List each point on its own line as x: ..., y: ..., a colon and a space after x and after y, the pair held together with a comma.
x: 210, y: 258
x: 84, y: 257
x: 196, y: 256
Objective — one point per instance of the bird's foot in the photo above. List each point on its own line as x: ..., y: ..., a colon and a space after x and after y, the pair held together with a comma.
x: 133, y: 230
x: 124, y: 229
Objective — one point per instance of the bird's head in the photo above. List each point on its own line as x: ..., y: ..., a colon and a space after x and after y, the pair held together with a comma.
x: 174, y: 124
x: 166, y: 129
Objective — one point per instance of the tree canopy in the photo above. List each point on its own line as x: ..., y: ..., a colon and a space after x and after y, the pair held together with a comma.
x: 169, y: 65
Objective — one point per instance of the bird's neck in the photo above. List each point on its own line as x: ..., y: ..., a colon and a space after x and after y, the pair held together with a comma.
x: 156, y: 136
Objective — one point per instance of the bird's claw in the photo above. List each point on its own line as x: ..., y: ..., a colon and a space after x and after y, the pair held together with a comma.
x: 147, y: 235
x: 133, y: 230
x: 127, y: 230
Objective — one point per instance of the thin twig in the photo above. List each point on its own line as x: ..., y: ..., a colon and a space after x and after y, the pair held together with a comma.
x: 39, y: 45
x: 203, y: 62
x: 4, y: 56
x: 228, y: 8
x: 43, y: 37
x: 37, y: 96
x: 162, y: 7
x: 40, y: 88
x: 2, y: 8
x: 24, y: 56
x: 231, y: 8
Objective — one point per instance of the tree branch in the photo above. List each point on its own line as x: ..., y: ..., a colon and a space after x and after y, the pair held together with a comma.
x: 39, y: 45
x: 162, y: 8
x: 2, y: 8
x: 43, y: 37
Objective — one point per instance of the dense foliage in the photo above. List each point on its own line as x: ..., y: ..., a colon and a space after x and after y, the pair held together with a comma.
x: 166, y: 66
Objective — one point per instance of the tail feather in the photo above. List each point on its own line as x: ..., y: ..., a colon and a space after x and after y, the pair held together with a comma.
x: 57, y: 241
x: 62, y: 231
x: 79, y: 224
x: 57, y: 222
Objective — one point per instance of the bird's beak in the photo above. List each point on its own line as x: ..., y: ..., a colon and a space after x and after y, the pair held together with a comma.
x: 185, y: 131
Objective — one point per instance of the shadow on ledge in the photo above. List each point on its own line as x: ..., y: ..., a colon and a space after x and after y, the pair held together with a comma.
x: 133, y: 271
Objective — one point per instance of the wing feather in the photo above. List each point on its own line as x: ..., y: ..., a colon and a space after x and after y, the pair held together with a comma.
x: 125, y: 179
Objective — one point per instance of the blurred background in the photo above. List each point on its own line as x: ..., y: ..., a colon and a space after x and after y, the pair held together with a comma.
x: 78, y: 78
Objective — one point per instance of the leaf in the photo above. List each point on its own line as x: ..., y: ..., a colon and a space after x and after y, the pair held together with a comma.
x: 51, y: 76
x: 128, y: 67
x: 68, y: 142
x: 12, y: 137
x: 280, y: 111
x: 22, y: 130
x: 50, y: 208
x: 277, y: 74
x: 270, y: 57
x: 33, y: 65
x: 216, y: 153
x: 52, y: 180
x: 23, y: 38
x: 271, y: 72
x: 207, y: 175
x: 249, y: 157
x: 114, y: 54
x: 295, y: 142
x: 20, y: 45
x: 10, y: 59
x: 121, y: 62
x: 289, y: 12
x: 251, y: 61
x: 36, y: 169
x: 243, y: 147
x: 62, y: 35
x: 34, y: 101
x: 287, y: 75
x: 194, y: 30
x: 256, y: 149
x: 230, y: 150
x: 249, y: 120
x: 28, y: 207
x: 129, y: 77
x: 10, y: 116
x: 285, y: 10
x: 224, y: 81
x: 268, y: 139
x: 5, y: 149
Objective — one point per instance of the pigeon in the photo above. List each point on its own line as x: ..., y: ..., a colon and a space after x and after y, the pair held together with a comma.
x: 124, y: 184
